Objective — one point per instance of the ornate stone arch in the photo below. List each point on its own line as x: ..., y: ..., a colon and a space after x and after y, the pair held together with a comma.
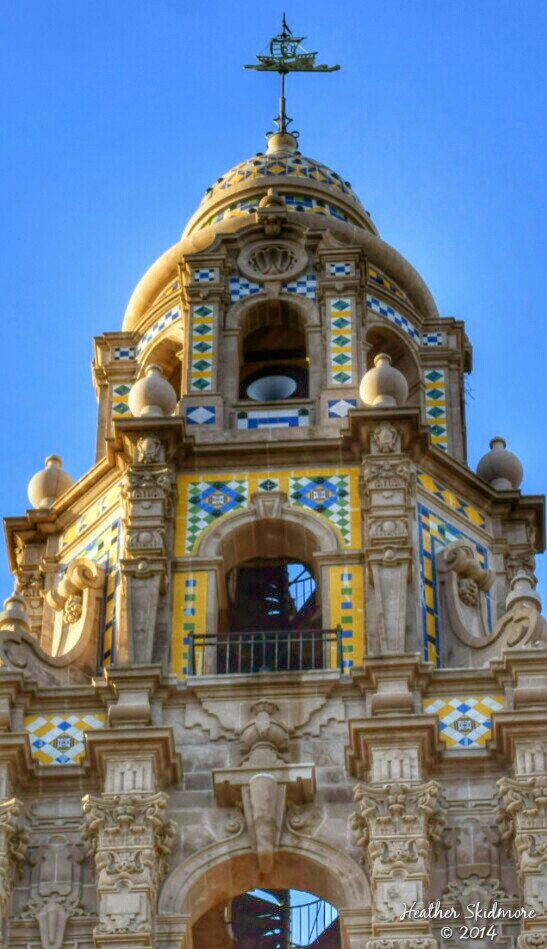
x: 228, y: 867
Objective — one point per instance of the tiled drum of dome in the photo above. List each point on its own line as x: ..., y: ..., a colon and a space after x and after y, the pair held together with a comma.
x: 435, y: 533
x: 295, y: 202
x: 341, y: 369
x: 272, y: 166
x: 60, y: 739
x: 435, y: 407
x: 465, y: 722
x: 202, y: 356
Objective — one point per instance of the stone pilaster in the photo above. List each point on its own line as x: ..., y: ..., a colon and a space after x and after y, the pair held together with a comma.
x: 127, y: 830
x: 15, y: 765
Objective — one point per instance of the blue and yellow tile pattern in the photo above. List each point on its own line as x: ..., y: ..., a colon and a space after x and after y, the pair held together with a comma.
x: 264, y: 166
x: 398, y: 319
x: 60, y: 739
x: 435, y: 406
x: 332, y: 494
x: 435, y: 533
x: 341, y: 368
x: 189, y: 618
x: 347, y: 610
x: 456, y: 503
x: 120, y: 400
x: 295, y: 202
x: 167, y: 319
x: 91, y: 515
x: 273, y: 418
x: 203, y: 342
x: 465, y: 722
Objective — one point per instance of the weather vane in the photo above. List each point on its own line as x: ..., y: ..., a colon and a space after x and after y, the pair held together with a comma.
x: 287, y: 55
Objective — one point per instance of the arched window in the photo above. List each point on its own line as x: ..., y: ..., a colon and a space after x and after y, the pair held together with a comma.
x: 273, y: 357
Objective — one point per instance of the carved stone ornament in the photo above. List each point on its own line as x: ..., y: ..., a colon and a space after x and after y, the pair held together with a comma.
x: 272, y: 260
x: 13, y: 846
x: 55, y: 890
x: 130, y: 839
x: 385, y: 439
x: 464, y: 584
x: 149, y: 450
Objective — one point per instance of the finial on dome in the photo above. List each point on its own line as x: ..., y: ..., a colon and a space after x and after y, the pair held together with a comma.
x: 499, y: 467
x: 384, y: 385
x: 48, y: 484
x: 285, y: 55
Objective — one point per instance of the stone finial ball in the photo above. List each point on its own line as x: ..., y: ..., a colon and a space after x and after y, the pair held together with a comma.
x: 48, y: 484
x: 152, y: 396
x: 499, y: 467
x: 384, y: 385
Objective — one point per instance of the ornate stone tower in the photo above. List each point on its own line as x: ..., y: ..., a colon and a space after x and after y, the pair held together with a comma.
x: 280, y: 635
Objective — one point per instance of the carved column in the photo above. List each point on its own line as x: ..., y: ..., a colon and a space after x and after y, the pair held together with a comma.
x: 127, y: 830
x: 148, y: 492
x: 520, y: 737
x: 388, y: 478
x: 15, y: 765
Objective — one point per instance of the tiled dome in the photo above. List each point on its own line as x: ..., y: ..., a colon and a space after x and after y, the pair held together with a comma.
x: 307, y: 185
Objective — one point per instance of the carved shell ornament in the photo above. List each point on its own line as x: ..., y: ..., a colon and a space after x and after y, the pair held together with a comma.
x: 272, y: 260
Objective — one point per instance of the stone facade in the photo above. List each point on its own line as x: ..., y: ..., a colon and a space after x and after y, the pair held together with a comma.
x: 148, y: 775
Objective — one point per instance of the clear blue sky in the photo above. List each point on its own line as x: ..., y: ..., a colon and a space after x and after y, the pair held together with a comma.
x: 116, y: 115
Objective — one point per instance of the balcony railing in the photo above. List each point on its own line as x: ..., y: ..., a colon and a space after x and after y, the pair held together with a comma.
x: 285, y: 650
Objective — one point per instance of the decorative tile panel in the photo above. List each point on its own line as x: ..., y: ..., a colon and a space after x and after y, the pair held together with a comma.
x: 189, y: 618
x: 205, y: 275
x: 330, y: 493
x: 465, y: 722
x: 91, y: 515
x: 435, y: 406
x: 376, y: 276
x: 202, y: 356
x: 264, y: 165
x: 60, y: 739
x: 273, y: 418
x: 122, y: 353
x: 341, y: 369
x: 339, y: 408
x: 435, y: 533
x: 325, y: 495
x: 295, y: 202
x: 120, y: 400
x: 305, y: 286
x: 338, y: 269
x: 201, y: 415
x: 422, y: 339
x: 438, y: 490
x: 347, y: 610
x: 158, y: 327
x: 241, y: 288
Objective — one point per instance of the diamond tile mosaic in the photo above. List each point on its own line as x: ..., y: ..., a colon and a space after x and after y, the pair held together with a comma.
x: 376, y: 276
x: 453, y: 501
x: 295, y: 202
x: 336, y: 269
x: 465, y: 722
x: 158, y: 327
x: 273, y: 418
x: 120, y: 397
x: 169, y: 289
x: 329, y: 496
x: 347, y: 605
x: 422, y: 339
x: 332, y: 494
x: 122, y: 353
x: 435, y: 406
x: 189, y: 618
x: 339, y: 408
x: 435, y: 533
x: 241, y: 288
x: 201, y: 415
x: 341, y: 370
x: 205, y: 275
x: 90, y: 516
x: 60, y: 739
x: 267, y: 165
x: 305, y: 286
x: 203, y: 335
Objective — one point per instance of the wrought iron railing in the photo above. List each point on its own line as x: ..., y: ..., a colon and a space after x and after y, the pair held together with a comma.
x: 285, y: 650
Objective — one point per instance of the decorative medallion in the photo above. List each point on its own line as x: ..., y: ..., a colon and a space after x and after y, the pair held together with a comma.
x: 272, y: 260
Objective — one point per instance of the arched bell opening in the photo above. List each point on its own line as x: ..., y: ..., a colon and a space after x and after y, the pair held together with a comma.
x: 270, y: 919
x: 270, y: 616
x: 385, y: 339
x: 273, y: 356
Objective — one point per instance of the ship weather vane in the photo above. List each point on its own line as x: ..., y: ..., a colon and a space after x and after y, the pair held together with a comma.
x: 286, y: 54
